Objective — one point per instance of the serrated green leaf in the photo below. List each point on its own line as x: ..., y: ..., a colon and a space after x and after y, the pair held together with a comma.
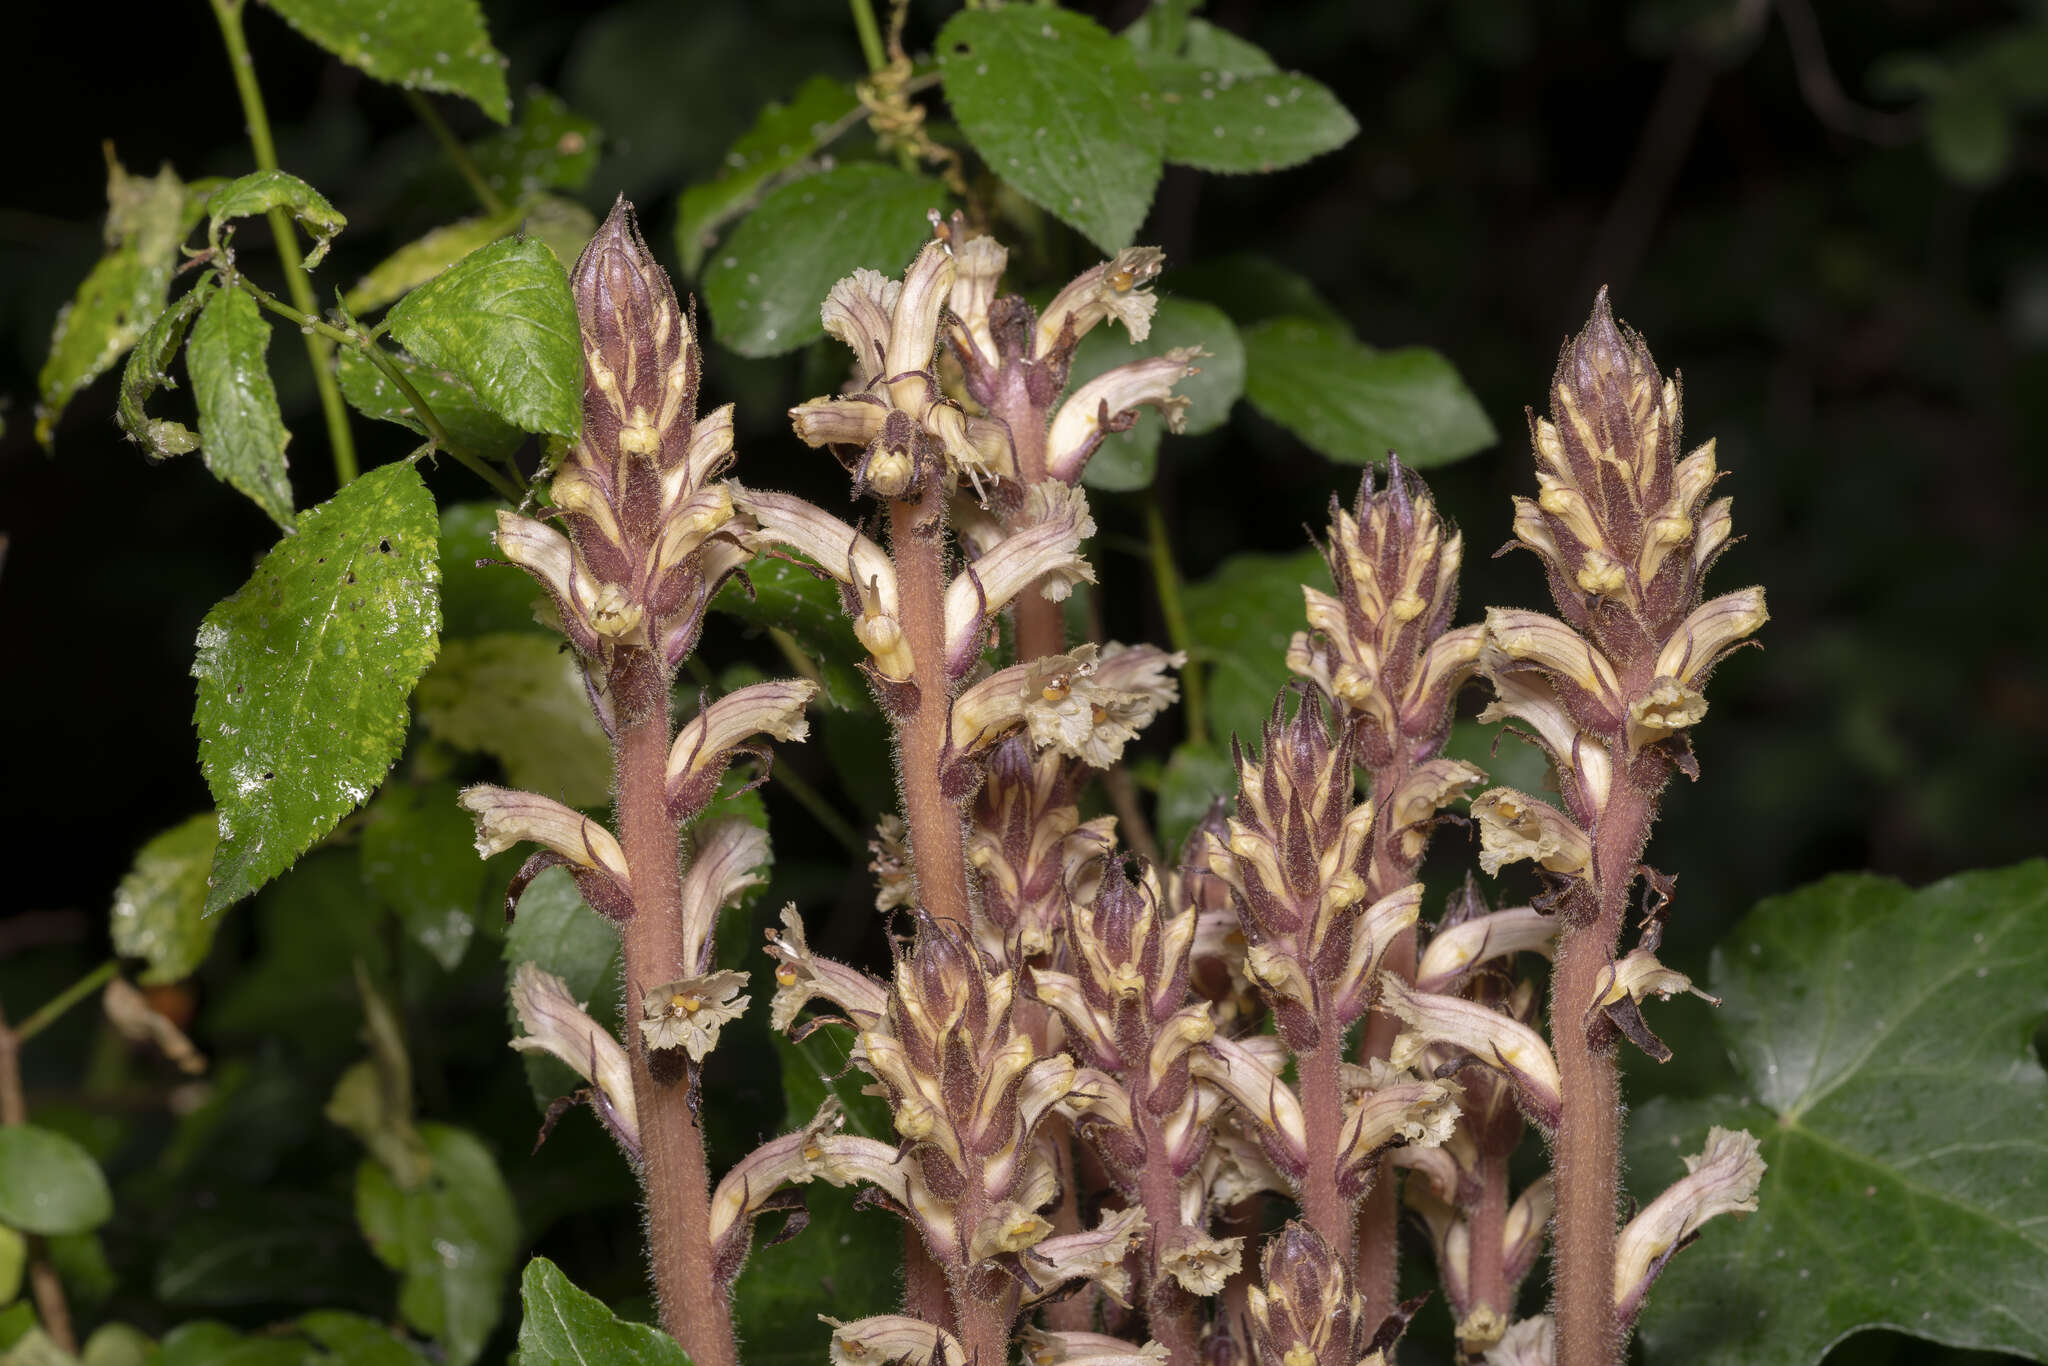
x: 420, y: 45
x: 1353, y: 403
x: 147, y: 219
x: 561, y: 1324
x: 454, y: 1239
x: 304, y: 673
x: 262, y: 191
x: 789, y: 597
x: 49, y: 1184
x: 1160, y: 36
x: 764, y: 287
x: 503, y: 319
x: 472, y: 428
x: 1217, y: 120
x: 1885, y: 1039
x: 477, y: 599
x: 561, y: 935
x: 159, y: 908
x: 551, y: 147
x: 241, y: 433
x: 1127, y: 460
x: 781, y: 142
x: 419, y: 261
x: 419, y: 857
x: 148, y: 370
x: 1239, y: 622
x: 520, y: 698
x: 1059, y: 108
x: 352, y: 1340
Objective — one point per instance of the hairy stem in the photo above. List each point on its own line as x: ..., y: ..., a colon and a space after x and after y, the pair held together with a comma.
x: 1170, y: 1311
x: 1322, y: 1112
x: 1486, y: 1278
x: 937, y: 848
x: 1041, y: 627
x: 1585, y: 1156
x: 694, y: 1308
x: 1375, y: 1266
x: 925, y: 1293
x: 319, y: 349
x: 51, y: 1307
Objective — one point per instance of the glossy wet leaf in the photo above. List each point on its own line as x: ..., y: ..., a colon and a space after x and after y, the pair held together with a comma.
x: 419, y: 857
x: 454, y: 1240
x: 765, y: 282
x: 420, y: 260
x: 159, y: 907
x: 261, y: 191
x: 49, y: 1184
x: 1161, y: 36
x: 561, y: 935
x: 519, y: 697
x: 241, y: 432
x: 1239, y: 622
x: 419, y: 44
x: 1127, y: 460
x: 1058, y: 107
x: 471, y: 426
x: 503, y: 319
x: 561, y: 1324
x: 1884, y: 1039
x: 147, y: 219
x: 1354, y: 403
x: 304, y: 673
x: 1220, y: 121
x: 148, y: 370
x: 779, y: 145
x: 550, y: 147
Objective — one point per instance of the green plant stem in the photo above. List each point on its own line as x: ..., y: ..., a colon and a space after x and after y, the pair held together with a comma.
x: 870, y: 35
x: 1166, y: 582
x: 51, y: 1307
x: 457, y: 154
x: 56, y: 1006
x: 228, y: 13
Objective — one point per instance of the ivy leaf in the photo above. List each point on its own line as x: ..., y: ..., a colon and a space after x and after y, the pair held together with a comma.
x: 1353, y: 403
x: 147, y: 219
x: 262, y: 191
x: 453, y: 1239
x: 471, y: 427
x: 558, y: 933
x: 148, y: 370
x: 420, y: 45
x: 778, y: 146
x: 1127, y: 460
x: 552, y: 147
x: 562, y: 1324
x: 519, y: 697
x: 49, y: 1184
x: 241, y: 433
x: 1239, y: 622
x: 419, y: 857
x: 1059, y: 108
x: 789, y: 597
x: 304, y: 674
x: 1884, y: 1040
x: 503, y: 319
x: 764, y: 288
x: 159, y: 908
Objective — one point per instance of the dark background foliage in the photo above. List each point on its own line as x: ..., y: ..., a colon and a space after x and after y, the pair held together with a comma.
x: 1860, y: 316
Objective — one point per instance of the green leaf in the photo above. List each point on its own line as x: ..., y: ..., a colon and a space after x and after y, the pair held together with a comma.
x: 778, y: 146
x: 119, y: 1344
x: 159, y: 908
x: 789, y: 597
x: 419, y: 857
x: 49, y: 1184
x: 206, y: 1343
x: 37, y: 1348
x: 262, y: 191
x: 1195, y: 777
x: 13, y: 1261
x: 241, y: 433
x: 1884, y: 1041
x: 420, y: 45
x: 1252, y: 288
x: 454, y: 1239
x: 304, y: 674
x: 561, y: 1324
x: 276, y: 1247
x: 551, y: 147
x: 147, y: 219
x: 503, y: 319
x: 1239, y: 622
x: 1969, y: 133
x: 352, y: 1340
x: 520, y: 698
x: 478, y: 600
x: 148, y: 370
x: 766, y: 283
x: 1127, y: 460
x: 1059, y: 108
x: 556, y: 931
x: 1355, y: 404
x: 471, y: 427
x: 312, y: 925
x: 1161, y: 37
x: 419, y: 261
x: 1219, y: 121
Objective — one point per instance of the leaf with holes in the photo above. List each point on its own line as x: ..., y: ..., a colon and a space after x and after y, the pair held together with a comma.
x: 420, y: 45
x: 1353, y: 403
x: 562, y: 1324
x: 304, y: 674
x: 159, y: 907
x: 1885, y: 1042
x: 241, y: 433
x: 1059, y: 108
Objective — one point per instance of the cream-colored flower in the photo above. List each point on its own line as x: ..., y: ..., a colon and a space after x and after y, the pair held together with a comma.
x: 689, y: 1012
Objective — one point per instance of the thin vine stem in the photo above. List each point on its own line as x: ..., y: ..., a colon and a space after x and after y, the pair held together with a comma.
x: 319, y: 350
x: 53, y: 1009
x: 458, y: 155
x: 870, y: 34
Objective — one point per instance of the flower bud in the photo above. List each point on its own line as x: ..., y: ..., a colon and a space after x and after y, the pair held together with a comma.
x: 1305, y: 1313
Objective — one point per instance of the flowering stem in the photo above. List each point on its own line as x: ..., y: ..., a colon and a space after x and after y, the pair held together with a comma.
x: 937, y: 848
x: 1485, y: 1277
x: 694, y: 1309
x: 1041, y: 629
x: 1375, y: 1263
x: 1322, y: 1112
x: 925, y: 1295
x: 1586, y: 1153
x: 1170, y: 1310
